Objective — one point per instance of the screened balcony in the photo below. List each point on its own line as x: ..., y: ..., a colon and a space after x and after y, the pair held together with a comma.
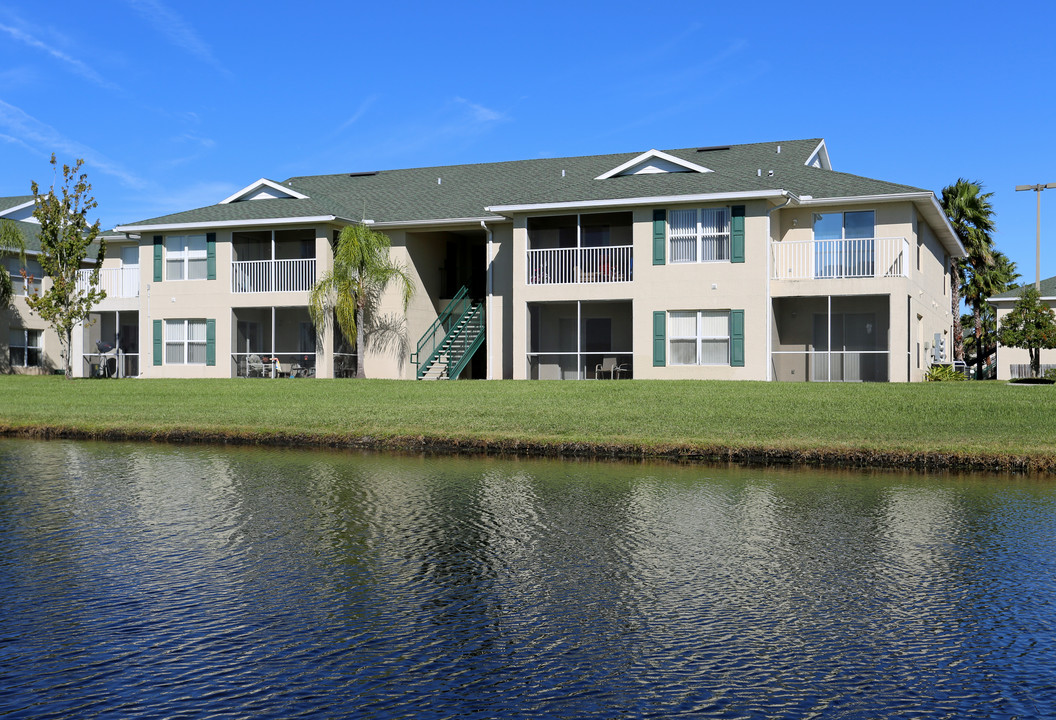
x: 273, y: 342
x: 273, y: 261
x: 580, y: 340
x: 579, y: 249
x: 831, y: 339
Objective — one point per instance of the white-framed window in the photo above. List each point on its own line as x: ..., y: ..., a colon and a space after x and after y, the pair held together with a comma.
x: 185, y: 257
x: 699, y: 337
x: 26, y: 347
x: 699, y: 235
x: 185, y: 342
x: 24, y: 286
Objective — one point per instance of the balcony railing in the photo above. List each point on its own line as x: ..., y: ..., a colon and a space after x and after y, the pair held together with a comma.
x: 116, y: 282
x: 255, y: 276
x: 580, y: 265
x: 851, y: 258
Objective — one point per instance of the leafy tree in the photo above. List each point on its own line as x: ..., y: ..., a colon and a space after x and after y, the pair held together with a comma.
x: 350, y: 292
x: 65, y: 239
x: 970, y: 214
x: 12, y: 244
x: 1030, y: 325
x: 980, y: 283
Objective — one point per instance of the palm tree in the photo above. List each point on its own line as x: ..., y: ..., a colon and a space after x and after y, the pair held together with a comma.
x: 970, y: 214
x: 11, y: 245
x: 350, y: 292
x: 980, y: 284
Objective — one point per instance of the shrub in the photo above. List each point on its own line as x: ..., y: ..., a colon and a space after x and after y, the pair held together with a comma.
x: 938, y: 373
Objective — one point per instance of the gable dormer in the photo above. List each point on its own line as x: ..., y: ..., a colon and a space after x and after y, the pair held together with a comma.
x: 264, y: 189
x: 653, y: 162
x: 819, y: 158
x: 22, y: 212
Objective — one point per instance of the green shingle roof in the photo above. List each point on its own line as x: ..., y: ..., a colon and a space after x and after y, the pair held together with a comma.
x: 1048, y: 289
x: 6, y: 203
x: 466, y: 191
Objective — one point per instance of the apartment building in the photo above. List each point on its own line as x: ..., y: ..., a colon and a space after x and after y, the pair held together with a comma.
x: 754, y: 262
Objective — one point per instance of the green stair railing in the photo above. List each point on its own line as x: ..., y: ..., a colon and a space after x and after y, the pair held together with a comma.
x: 457, y: 333
x: 464, y: 340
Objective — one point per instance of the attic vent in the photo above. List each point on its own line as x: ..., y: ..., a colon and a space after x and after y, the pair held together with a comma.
x: 363, y: 174
x: 713, y: 148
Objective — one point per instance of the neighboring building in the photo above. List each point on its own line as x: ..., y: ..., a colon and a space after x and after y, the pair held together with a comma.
x: 1014, y: 363
x: 752, y: 262
x: 31, y: 348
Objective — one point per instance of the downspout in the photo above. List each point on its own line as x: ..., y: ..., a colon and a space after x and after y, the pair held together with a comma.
x: 789, y: 199
x: 487, y: 306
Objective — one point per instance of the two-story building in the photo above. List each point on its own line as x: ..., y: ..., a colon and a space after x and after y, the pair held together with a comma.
x: 736, y: 262
x: 31, y: 347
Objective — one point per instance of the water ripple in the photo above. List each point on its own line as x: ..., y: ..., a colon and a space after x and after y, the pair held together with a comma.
x: 142, y: 581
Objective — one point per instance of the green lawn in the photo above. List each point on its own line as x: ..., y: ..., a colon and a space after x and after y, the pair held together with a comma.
x: 974, y: 418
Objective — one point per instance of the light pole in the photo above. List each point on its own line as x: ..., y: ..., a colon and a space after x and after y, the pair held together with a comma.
x: 1037, y: 259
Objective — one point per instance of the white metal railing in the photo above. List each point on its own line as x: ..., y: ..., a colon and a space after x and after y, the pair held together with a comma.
x: 850, y: 258
x: 579, y: 265
x: 250, y: 276
x: 116, y: 282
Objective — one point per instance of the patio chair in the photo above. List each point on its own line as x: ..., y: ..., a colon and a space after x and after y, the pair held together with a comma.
x: 254, y: 366
x: 607, y: 366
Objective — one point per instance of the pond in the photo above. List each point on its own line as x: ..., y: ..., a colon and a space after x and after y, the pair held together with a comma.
x: 139, y: 580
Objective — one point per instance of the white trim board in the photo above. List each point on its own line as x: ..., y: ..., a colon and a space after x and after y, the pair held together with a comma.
x: 685, y: 165
x: 228, y: 223
x: 263, y: 189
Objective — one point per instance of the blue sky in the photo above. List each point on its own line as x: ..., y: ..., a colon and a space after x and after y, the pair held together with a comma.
x: 177, y: 105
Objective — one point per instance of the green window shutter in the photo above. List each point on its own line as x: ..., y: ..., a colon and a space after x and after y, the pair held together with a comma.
x: 157, y: 341
x: 210, y: 255
x: 659, y: 236
x: 158, y: 240
x: 737, y: 338
x: 210, y: 342
x: 737, y: 234
x: 659, y: 338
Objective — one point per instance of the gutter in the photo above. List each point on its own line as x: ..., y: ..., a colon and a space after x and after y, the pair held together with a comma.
x: 230, y: 223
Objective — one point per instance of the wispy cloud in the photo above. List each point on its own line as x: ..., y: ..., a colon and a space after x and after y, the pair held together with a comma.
x: 360, y: 111
x: 458, y: 120
x: 77, y: 66
x: 26, y: 130
x: 481, y: 114
x: 179, y: 32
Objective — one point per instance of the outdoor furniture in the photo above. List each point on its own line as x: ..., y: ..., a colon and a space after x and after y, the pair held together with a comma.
x: 254, y: 366
x: 609, y: 366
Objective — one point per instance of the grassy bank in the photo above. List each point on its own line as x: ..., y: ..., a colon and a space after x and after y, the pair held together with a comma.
x: 956, y: 424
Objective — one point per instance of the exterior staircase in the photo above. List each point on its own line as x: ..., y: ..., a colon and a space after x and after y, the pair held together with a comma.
x: 449, y: 344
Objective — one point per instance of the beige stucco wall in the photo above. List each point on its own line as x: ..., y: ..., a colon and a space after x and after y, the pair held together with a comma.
x: 17, y: 315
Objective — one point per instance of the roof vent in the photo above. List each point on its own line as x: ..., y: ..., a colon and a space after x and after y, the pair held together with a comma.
x: 759, y: 172
x: 770, y: 173
x: 713, y: 148
x: 363, y: 174
x: 438, y: 181
x: 778, y: 149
